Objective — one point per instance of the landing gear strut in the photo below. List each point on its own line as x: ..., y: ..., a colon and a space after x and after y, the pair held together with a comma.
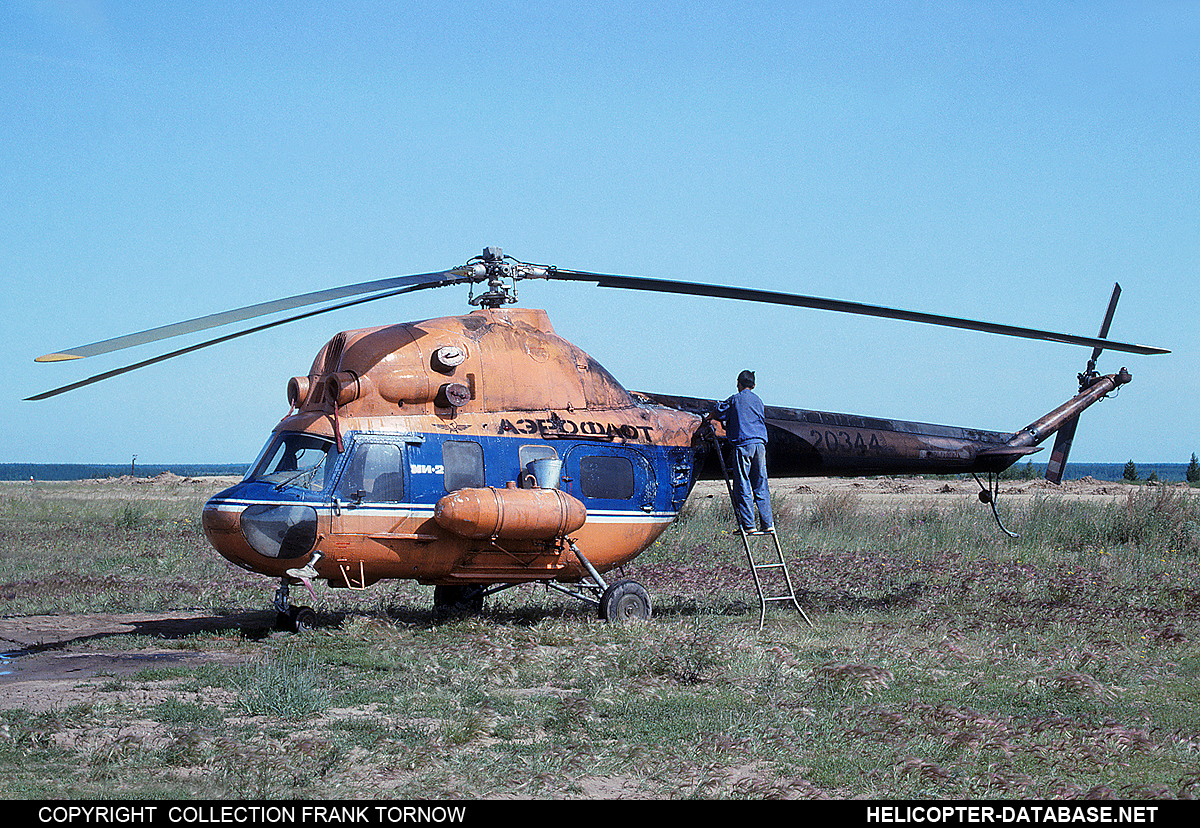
x: 989, y: 494
x: 623, y: 600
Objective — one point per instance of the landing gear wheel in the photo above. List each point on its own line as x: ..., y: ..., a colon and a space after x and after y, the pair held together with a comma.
x: 625, y: 601
x: 451, y: 600
x: 296, y: 619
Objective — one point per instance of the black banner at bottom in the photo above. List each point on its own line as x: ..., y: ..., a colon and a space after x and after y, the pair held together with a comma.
x: 342, y: 814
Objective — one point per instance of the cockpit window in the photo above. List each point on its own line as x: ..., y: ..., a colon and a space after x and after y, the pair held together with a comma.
x: 305, y: 461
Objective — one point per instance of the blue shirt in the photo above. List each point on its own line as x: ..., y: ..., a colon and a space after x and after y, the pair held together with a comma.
x: 743, y: 417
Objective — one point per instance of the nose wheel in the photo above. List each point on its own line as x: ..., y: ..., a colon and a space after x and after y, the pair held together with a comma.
x: 290, y: 618
x: 296, y: 620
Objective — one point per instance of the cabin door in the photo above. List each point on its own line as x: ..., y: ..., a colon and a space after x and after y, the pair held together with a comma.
x: 609, y: 478
x: 370, y: 496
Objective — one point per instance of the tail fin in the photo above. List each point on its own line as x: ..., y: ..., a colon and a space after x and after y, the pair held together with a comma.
x: 1062, y: 447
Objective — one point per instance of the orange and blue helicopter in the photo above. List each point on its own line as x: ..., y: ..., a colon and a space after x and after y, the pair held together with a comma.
x: 481, y: 451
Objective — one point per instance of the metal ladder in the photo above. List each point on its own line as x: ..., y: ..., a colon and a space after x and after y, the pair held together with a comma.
x: 757, y: 568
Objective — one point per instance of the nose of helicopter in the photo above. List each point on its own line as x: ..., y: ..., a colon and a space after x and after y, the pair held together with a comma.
x: 280, y: 530
x: 245, y: 533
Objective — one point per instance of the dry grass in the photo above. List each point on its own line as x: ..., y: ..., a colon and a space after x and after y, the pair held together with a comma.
x: 948, y: 661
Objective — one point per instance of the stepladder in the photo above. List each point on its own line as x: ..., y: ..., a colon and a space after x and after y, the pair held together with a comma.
x: 764, y: 556
x: 772, y: 580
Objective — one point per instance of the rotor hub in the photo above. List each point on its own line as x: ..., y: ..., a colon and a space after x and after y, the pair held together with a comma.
x: 501, y: 279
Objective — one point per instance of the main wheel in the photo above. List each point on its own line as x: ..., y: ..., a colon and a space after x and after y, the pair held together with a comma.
x: 466, y: 599
x: 624, y: 601
x: 296, y: 619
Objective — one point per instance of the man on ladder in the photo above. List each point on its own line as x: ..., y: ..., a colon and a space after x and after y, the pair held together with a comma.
x: 746, y: 429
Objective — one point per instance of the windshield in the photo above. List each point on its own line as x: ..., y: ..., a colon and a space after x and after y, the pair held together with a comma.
x: 301, y: 460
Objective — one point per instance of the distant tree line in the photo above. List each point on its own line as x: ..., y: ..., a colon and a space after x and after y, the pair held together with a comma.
x: 1192, y: 473
x: 86, y: 471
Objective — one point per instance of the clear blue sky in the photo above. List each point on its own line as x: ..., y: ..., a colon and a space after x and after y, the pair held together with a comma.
x: 1005, y: 161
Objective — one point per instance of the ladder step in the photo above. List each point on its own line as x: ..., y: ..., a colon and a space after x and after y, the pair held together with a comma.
x: 768, y: 566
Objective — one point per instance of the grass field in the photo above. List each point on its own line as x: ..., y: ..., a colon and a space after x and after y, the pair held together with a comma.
x: 946, y: 661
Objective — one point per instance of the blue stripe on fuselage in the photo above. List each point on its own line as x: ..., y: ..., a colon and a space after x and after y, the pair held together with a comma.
x: 663, y: 476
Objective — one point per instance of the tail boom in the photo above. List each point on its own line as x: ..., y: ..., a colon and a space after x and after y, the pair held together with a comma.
x: 1067, y: 413
x: 803, y: 443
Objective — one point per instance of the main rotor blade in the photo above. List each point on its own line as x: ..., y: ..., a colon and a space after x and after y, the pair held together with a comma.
x: 252, y: 311
x: 153, y: 360
x: 771, y: 297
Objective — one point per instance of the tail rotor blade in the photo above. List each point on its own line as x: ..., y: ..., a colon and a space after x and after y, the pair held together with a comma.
x: 1112, y: 308
x: 1066, y: 434
x: 1108, y: 318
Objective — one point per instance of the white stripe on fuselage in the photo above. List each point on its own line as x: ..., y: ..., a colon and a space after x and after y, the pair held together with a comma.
x: 607, y: 516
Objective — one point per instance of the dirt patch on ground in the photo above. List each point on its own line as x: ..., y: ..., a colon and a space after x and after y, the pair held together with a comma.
x: 55, y: 661
x: 164, y: 479
x: 901, y: 491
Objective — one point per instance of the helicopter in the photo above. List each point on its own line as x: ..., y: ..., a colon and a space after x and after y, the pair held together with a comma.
x: 478, y: 452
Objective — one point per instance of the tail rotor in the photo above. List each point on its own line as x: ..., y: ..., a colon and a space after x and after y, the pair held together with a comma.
x: 1066, y: 435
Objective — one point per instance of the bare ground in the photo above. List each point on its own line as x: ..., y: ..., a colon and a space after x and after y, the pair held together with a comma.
x: 890, y: 492
x: 54, y: 661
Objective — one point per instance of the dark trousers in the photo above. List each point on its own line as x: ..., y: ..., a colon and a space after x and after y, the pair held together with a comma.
x: 750, y: 485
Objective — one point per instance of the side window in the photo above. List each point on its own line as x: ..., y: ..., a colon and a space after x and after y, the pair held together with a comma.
x: 529, y: 454
x: 533, y: 452
x: 463, y: 464
x: 607, y: 477
x: 374, y: 474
